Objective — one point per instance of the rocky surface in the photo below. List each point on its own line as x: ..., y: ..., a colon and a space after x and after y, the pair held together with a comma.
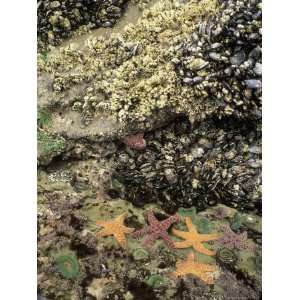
x: 163, y: 115
x: 117, y: 86
x: 209, y: 163
x: 57, y: 20
x: 100, y: 268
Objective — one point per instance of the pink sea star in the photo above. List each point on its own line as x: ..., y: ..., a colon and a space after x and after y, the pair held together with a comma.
x: 136, y: 141
x: 232, y: 240
x: 156, y: 229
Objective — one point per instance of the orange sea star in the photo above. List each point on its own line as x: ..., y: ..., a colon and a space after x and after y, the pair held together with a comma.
x: 193, y: 238
x: 116, y: 228
x: 189, y: 266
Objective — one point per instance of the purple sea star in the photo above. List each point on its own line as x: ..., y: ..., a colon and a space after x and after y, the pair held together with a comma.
x: 156, y: 229
x: 232, y: 240
x: 136, y: 141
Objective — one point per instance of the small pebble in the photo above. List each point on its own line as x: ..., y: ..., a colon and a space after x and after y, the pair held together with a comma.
x: 253, y: 83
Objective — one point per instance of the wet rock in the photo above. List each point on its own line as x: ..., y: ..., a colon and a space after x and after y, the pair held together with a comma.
x: 197, y: 64
x: 233, y: 288
x: 187, y: 80
x: 238, y: 58
x: 258, y: 69
x: 190, y: 171
x: 84, y: 243
x: 254, y: 163
x: 253, y: 83
x: 197, y: 152
x: 197, y: 79
x: 62, y: 17
x: 255, y: 149
x: 107, y: 24
x: 215, y: 45
x: 171, y: 176
x: 215, y: 56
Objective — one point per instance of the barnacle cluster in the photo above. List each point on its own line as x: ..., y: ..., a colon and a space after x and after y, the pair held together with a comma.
x: 197, y: 58
x: 131, y: 75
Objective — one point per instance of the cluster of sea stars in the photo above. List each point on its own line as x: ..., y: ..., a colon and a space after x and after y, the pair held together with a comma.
x: 158, y: 229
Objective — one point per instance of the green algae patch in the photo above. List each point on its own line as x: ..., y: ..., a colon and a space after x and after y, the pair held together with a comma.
x: 50, y: 144
x: 43, y: 118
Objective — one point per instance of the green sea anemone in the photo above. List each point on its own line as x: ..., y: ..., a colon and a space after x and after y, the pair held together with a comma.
x: 226, y: 256
x: 156, y: 281
x: 140, y: 254
x: 237, y: 222
x: 187, y: 212
x: 203, y: 225
x: 67, y: 265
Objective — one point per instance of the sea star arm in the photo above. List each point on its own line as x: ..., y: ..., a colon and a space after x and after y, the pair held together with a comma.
x: 120, y: 219
x: 150, y: 240
x: 182, y: 234
x: 167, y: 239
x: 120, y: 237
x: 168, y: 222
x: 200, y: 248
x: 244, y: 236
x: 104, y: 232
x: 175, y: 274
x: 128, y: 229
x: 139, y: 233
x: 207, y: 278
x: 101, y: 223
x: 190, y: 225
x: 190, y: 256
x: 183, y: 244
x: 151, y: 218
x: 209, y: 237
x: 208, y: 268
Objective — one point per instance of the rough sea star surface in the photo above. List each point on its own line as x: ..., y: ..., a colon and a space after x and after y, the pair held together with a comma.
x: 156, y: 229
x: 116, y: 228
